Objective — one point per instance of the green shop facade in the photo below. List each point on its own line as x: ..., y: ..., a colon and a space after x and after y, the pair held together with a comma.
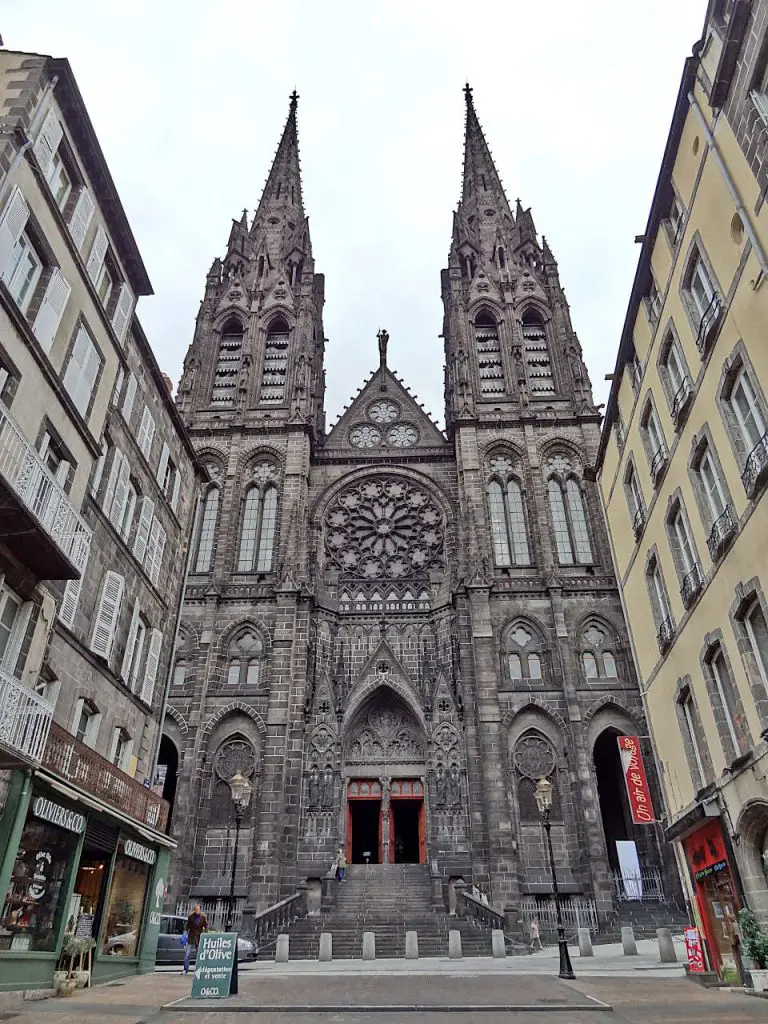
x: 71, y: 866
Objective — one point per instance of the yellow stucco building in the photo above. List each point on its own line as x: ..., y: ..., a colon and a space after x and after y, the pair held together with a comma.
x: 682, y: 471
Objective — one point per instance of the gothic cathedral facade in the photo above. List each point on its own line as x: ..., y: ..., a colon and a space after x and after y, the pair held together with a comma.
x: 392, y: 630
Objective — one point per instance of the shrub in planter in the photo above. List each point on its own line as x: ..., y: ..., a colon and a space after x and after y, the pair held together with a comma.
x: 755, y: 944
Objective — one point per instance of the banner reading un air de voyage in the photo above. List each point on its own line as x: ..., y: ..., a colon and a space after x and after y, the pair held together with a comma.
x: 637, y: 782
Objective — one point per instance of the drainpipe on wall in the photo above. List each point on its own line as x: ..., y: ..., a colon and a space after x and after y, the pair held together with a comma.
x: 50, y: 86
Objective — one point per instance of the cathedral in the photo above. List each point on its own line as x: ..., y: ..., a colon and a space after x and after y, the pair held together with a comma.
x: 391, y: 630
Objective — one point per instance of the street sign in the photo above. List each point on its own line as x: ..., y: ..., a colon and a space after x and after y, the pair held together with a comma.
x: 215, y: 975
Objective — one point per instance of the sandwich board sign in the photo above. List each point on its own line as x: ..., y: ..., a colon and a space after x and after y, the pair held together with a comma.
x: 215, y: 975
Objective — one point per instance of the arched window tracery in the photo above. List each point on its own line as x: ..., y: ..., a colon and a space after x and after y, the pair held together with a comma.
x: 245, y: 655
x: 569, y: 520
x: 207, y: 534
x: 534, y: 758
x: 506, y: 511
x: 523, y: 655
x: 598, y: 653
x: 259, y: 520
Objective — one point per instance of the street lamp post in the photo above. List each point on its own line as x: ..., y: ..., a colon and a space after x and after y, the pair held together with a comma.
x: 240, y: 788
x: 543, y: 795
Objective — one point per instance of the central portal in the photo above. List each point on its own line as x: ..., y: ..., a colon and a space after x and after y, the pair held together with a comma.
x: 365, y: 827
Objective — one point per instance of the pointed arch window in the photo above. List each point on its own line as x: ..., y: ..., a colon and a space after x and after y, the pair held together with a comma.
x: 488, y: 350
x: 259, y: 523
x: 569, y: 519
x: 228, y: 363
x: 508, y: 527
x: 207, y: 531
x: 538, y: 364
x: 522, y: 656
x: 598, y: 656
x: 275, y: 369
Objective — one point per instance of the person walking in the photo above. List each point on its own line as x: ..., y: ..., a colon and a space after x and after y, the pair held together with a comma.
x: 197, y: 923
x: 341, y: 865
x: 535, y: 935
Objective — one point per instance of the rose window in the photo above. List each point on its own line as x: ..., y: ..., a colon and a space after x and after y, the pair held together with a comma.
x: 365, y: 436
x: 383, y: 412
x: 534, y: 757
x: 384, y: 529
x: 403, y: 435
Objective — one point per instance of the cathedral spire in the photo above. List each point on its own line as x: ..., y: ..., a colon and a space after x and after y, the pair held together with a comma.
x: 282, y: 192
x: 482, y: 185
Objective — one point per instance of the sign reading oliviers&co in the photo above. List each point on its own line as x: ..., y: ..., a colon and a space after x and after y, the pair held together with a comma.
x: 46, y: 809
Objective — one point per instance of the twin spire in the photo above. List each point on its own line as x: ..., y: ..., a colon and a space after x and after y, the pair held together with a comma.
x: 282, y: 192
x: 481, y: 187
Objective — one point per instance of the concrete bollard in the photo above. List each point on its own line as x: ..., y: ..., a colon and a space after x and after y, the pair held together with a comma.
x: 667, y: 953
x: 498, y: 945
x: 281, y: 949
x: 454, y: 944
x: 369, y: 945
x: 585, y: 942
x: 326, y: 947
x: 628, y: 940
x: 411, y: 946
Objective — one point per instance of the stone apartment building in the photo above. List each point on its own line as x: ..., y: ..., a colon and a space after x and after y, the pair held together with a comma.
x: 392, y: 631
x: 682, y: 467
x: 97, y: 496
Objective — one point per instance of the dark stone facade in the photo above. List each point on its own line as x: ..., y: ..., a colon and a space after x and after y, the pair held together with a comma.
x: 396, y: 630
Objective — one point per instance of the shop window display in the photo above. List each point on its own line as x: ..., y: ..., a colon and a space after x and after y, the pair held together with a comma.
x: 33, y: 905
x: 125, y: 907
x: 86, y: 901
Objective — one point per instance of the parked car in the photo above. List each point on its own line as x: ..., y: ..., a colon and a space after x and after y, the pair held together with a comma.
x: 171, y: 951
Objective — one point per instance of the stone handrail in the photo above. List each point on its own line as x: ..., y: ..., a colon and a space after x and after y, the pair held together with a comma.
x: 270, y: 922
x: 468, y: 906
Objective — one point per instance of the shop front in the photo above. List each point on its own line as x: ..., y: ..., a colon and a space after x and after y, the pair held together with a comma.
x: 76, y: 876
x: 716, y: 896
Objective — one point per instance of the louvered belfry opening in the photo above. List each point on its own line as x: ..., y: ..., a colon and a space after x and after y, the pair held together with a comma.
x: 537, y: 362
x: 228, y: 364
x: 489, y: 356
x: 275, y: 364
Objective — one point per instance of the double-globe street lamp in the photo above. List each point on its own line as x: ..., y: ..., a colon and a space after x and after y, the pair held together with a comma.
x: 543, y: 795
x: 240, y: 789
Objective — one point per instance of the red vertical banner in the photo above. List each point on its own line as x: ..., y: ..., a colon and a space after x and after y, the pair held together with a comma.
x: 694, y: 950
x: 637, y: 782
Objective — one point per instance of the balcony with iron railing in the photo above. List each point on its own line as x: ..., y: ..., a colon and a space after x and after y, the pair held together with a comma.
x: 49, y: 536
x: 665, y: 634
x: 659, y: 463
x: 638, y: 522
x: 682, y: 401
x: 708, y: 324
x: 721, y: 534
x: 756, y: 467
x: 25, y: 718
x: 76, y: 762
x: 692, y: 583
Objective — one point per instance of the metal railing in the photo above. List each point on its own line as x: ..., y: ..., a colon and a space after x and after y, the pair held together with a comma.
x: 659, y: 462
x: 578, y: 912
x: 30, y: 478
x: 66, y: 756
x: 691, y: 585
x: 216, y: 912
x: 681, y: 399
x: 638, y: 522
x: 666, y: 633
x: 756, y: 467
x: 645, y: 886
x: 722, y: 530
x: 707, y: 323
x: 25, y: 720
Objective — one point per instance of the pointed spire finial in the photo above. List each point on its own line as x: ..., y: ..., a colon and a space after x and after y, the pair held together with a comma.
x: 294, y: 100
x: 383, y: 338
x: 468, y: 94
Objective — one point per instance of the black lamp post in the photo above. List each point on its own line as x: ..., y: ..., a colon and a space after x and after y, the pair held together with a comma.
x: 543, y: 795
x: 240, y: 788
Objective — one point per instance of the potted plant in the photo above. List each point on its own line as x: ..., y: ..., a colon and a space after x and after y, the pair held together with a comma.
x: 755, y: 943
x: 78, y: 949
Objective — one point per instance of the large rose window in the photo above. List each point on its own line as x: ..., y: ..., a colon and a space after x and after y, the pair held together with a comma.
x: 387, y: 528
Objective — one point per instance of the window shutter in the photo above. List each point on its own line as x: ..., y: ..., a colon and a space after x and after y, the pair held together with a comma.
x: 98, y: 472
x: 130, y: 642
x: 16, y: 639
x: 47, y: 141
x: 68, y: 606
x: 98, y: 252
x: 130, y: 395
x: 176, y: 489
x: 155, y: 552
x: 146, y: 433
x: 51, y: 309
x: 142, y: 531
x: 122, y: 315
x: 107, y: 614
x: 162, y: 464
x: 12, y: 223
x: 80, y: 375
x: 153, y: 662
x: 109, y: 494
x: 121, y: 493
x: 81, y: 217
x: 118, y: 385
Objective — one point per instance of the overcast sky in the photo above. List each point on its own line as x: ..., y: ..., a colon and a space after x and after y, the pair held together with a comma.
x: 189, y: 100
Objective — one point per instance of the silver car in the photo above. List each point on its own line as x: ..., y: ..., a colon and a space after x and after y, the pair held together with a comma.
x: 171, y: 951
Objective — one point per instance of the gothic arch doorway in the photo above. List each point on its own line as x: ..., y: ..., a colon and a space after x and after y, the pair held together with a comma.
x: 612, y: 794
x: 168, y: 771
x: 384, y: 770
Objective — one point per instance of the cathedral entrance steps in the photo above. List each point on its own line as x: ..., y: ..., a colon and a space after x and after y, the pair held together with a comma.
x: 645, y: 918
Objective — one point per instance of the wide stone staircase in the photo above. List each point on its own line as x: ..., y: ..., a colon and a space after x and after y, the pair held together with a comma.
x: 389, y: 900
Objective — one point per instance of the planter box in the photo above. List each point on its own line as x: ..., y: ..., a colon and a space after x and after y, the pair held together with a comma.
x: 759, y: 980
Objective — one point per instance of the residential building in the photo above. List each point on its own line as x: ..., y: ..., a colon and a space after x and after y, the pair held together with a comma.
x: 682, y: 467
x: 97, y: 494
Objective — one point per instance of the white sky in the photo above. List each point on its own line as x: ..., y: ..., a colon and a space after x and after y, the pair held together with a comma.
x: 189, y: 100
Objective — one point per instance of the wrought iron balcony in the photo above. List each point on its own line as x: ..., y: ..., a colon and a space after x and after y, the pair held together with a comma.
x: 638, y: 522
x: 723, y: 529
x: 659, y: 463
x: 692, y: 584
x: 25, y: 718
x: 49, y: 537
x: 756, y: 468
x: 708, y: 323
x: 666, y: 633
x: 682, y: 400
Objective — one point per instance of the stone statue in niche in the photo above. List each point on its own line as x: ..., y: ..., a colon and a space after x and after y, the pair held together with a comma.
x: 440, y: 787
x: 328, y: 788
x: 453, y: 787
x: 314, y: 789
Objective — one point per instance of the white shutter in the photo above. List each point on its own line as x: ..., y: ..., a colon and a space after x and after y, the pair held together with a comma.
x: 122, y: 315
x: 79, y: 556
x: 109, y: 494
x: 51, y: 309
x: 12, y: 223
x: 131, y: 642
x: 121, y: 493
x: 107, y: 614
x: 155, y: 551
x: 98, y: 472
x: 176, y: 489
x: 130, y: 395
x: 153, y: 662
x: 162, y: 465
x: 80, y: 375
x: 81, y: 217
x: 118, y: 385
x: 98, y: 252
x: 146, y: 515
x: 146, y: 433
x: 47, y: 141
x: 16, y: 639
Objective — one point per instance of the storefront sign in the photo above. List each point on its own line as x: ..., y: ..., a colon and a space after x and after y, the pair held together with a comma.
x: 139, y: 852
x: 694, y: 950
x: 58, y: 815
x: 215, y: 974
x: 705, y: 850
x: 637, y: 783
